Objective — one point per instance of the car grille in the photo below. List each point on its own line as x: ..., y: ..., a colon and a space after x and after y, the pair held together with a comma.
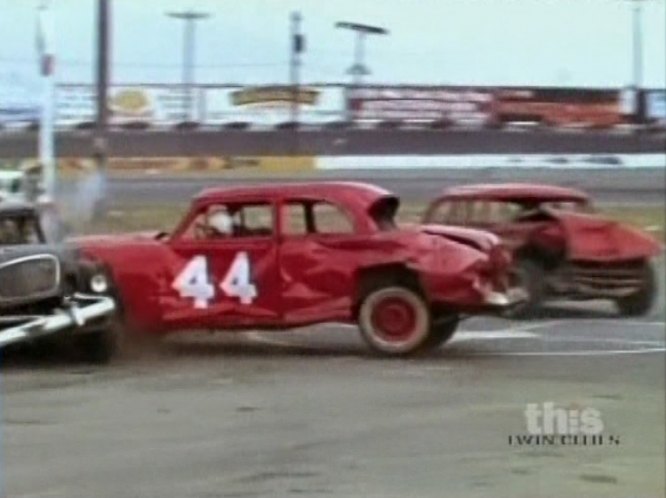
x: 29, y: 278
x: 615, y: 277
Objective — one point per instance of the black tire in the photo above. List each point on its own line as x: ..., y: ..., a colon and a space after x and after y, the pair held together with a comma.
x: 395, y: 321
x: 443, y: 328
x: 529, y: 275
x: 641, y: 302
x: 99, y: 346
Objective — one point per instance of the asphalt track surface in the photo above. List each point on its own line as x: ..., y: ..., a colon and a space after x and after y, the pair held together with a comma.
x: 612, y: 185
x: 311, y: 413
x: 356, y: 142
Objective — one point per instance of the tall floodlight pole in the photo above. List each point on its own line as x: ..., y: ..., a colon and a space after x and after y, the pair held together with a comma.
x: 46, y: 128
x: 358, y: 68
x: 297, y: 43
x: 100, y: 141
x: 637, y: 61
x: 189, y: 19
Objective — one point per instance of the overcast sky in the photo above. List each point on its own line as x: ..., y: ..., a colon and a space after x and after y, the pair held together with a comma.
x: 506, y: 42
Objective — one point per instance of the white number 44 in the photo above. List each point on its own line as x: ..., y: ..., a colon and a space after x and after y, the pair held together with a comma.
x: 237, y: 283
x: 194, y: 281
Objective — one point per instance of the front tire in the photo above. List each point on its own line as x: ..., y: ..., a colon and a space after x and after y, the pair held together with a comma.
x: 99, y: 346
x: 395, y: 321
x: 529, y: 275
x: 640, y: 302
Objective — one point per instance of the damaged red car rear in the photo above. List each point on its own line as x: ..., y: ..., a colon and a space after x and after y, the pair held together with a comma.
x: 274, y: 257
x: 560, y: 246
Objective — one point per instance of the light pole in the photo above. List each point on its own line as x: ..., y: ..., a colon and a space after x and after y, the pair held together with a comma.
x: 46, y: 133
x: 637, y: 61
x: 100, y: 141
x: 297, y: 42
x: 189, y: 18
x: 358, y: 68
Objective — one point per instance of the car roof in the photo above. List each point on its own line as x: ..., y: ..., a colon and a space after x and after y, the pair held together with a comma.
x: 515, y: 192
x: 14, y: 208
x: 359, y: 194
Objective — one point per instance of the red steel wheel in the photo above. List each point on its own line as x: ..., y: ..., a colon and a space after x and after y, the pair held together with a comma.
x: 394, y: 320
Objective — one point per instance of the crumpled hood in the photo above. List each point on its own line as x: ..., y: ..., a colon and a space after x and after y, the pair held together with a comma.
x: 594, y: 238
x: 479, y: 239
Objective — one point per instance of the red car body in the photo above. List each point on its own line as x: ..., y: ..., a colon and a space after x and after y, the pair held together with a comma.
x: 554, y: 234
x: 299, y: 254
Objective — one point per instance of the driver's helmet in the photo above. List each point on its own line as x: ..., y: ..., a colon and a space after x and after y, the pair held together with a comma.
x: 220, y: 223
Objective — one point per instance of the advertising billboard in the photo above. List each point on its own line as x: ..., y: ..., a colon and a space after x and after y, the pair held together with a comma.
x: 456, y: 104
x: 559, y: 106
x: 270, y: 105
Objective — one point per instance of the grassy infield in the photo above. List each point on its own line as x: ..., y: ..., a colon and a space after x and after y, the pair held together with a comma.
x: 137, y: 217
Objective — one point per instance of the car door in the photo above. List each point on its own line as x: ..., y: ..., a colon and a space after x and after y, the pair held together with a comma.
x: 318, y: 255
x: 225, y: 280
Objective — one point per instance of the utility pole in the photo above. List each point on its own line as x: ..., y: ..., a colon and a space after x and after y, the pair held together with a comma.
x: 637, y: 60
x: 46, y: 129
x: 358, y: 68
x: 297, y: 43
x: 189, y: 19
x: 100, y: 142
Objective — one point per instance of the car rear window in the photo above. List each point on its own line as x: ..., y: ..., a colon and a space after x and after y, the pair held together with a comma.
x: 383, y: 213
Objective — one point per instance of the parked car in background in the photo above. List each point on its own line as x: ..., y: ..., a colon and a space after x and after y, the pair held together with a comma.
x: 274, y: 257
x: 47, y: 289
x: 560, y: 246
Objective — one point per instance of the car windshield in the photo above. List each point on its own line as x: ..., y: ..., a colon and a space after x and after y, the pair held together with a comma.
x: 573, y: 206
x: 19, y: 230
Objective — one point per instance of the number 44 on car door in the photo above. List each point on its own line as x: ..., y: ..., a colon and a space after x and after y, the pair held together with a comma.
x: 194, y: 282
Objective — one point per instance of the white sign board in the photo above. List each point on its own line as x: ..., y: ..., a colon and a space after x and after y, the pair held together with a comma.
x: 271, y: 105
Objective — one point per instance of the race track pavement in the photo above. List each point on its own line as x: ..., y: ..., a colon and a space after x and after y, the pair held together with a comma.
x: 311, y: 413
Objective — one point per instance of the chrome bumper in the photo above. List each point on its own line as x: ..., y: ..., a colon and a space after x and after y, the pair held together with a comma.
x: 511, y: 297
x: 86, y: 308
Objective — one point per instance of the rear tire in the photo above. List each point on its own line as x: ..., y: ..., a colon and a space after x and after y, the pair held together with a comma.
x: 395, y: 321
x: 640, y: 303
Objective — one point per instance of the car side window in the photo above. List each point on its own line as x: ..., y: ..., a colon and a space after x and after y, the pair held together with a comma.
x: 495, y: 212
x: 330, y: 219
x: 307, y: 217
x: 451, y: 213
x: 440, y: 213
x: 228, y: 221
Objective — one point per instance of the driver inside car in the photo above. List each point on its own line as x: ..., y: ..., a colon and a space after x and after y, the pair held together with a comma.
x: 220, y: 225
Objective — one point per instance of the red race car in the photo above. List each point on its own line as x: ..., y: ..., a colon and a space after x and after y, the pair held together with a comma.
x: 291, y: 255
x: 560, y: 247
